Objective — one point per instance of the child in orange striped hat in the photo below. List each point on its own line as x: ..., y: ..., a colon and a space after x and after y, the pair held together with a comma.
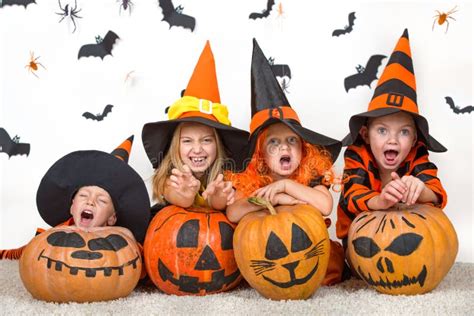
x: 195, y: 145
x: 387, y: 158
x: 89, y: 189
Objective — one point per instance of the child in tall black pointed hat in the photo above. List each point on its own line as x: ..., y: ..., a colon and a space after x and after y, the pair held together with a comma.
x: 191, y: 150
x: 91, y: 188
x: 288, y: 162
x: 386, y: 160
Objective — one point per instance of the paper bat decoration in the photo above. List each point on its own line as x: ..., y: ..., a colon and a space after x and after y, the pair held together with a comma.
x: 279, y: 70
x: 24, y: 3
x: 456, y: 109
x: 99, y: 116
x: 347, y: 28
x: 265, y: 13
x: 102, y: 48
x: 12, y: 146
x: 364, y: 76
x: 175, y: 17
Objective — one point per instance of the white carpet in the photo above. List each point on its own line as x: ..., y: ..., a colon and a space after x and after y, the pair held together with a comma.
x: 454, y: 296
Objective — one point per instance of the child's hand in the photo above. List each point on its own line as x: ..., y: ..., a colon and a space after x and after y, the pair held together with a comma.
x: 269, y: 191
x: 184, y: 181
x: 285, y: 199
x: 220, y: 189
x: 414, y: 188
x: 392, y: 193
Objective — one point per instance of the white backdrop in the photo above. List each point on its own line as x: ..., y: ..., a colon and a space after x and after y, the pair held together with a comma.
x: 47, y: 112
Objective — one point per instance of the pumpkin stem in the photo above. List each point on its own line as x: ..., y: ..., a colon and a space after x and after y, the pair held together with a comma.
x: 262, y: 202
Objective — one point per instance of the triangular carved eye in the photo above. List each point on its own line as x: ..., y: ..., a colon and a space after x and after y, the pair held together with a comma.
x: 227, y: 234
x: 63, y: 239
x: 299, y: 239
x: 365, y: 247
x: 275, y: 248
x: 188, y: 234
x: 405, y: 244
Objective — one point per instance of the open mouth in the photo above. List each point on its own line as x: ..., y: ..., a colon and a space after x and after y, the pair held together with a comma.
x: 390, y: 156
x: 198, y: 161
x: 86, y: 217
x: 285, y: 162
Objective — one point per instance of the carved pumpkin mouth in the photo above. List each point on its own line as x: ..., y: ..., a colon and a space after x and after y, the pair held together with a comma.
x: 406, y: 281
x: 191, y: 284
x: 293, y: 280
x: 89, y: 272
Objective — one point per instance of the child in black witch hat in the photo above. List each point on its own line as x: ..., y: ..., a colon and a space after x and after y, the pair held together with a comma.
x: 387, y: 158
x: 191, y: 149
x: 289, y: 162
x: 89, y: 189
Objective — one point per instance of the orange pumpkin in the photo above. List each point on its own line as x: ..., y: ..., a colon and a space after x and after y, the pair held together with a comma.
x: 402, y: 250
x: 190, y: 251
x: 66, y: 264
x: 284, y: 254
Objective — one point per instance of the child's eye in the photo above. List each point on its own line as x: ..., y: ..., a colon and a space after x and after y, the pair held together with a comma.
x: 103, y: 201
x: 273, y: 142
x: 208, y: 140
x: 382, y: 130
x: 185, y: 141
x: 293, y: 140
x: 405, y: 132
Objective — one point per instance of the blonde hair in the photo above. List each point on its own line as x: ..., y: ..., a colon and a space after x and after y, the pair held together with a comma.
x: 172, y: 160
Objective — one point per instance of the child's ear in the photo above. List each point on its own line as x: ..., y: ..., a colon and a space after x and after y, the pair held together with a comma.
x: 112, y: 220
x: 364, y: 133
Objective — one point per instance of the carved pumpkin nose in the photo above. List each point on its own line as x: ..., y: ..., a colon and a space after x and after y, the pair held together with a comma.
x: 86, y: 255
x: 207, y: 260
x: 388, y: 264
x: 291, y: 268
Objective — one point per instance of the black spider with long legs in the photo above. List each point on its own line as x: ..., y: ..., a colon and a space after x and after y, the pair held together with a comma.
x: 71, y: 12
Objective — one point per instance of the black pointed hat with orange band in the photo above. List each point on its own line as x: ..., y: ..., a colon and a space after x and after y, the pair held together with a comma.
x: 111, y: 172
x: 270, y: 105
x: 395, y: 92
x: 201, y: 103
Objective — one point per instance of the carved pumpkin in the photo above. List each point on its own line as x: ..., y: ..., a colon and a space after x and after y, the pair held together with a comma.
x: 190, y: 251
x: 402, y: 250
x: 284, y: 254
x: 65, y: 264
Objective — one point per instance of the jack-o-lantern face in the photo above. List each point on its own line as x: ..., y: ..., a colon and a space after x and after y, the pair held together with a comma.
x: 283, y: 256
x: 67, y: 264
x: 190, y: 252
x: 403, y: 250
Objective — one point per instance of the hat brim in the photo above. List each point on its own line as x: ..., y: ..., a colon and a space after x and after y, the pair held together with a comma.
x: 95, y: 168
x: 157, y: 137
x: 357, y: 121
x: 333, y: 146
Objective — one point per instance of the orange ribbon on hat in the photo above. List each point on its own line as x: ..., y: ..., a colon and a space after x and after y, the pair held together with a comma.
x: 191, y: 106
x: 281, y: 112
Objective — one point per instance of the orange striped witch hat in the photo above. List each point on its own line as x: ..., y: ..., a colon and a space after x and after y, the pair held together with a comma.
x: 96, y: 168
x: 395, y: 92
x: 200, y: 103
x: 269, y: 105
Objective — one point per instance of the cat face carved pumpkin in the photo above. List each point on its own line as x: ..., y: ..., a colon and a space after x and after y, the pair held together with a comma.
x: 190, y: 251
x: 65, y: 264
x: 285, y: 255
x: 402, y: 250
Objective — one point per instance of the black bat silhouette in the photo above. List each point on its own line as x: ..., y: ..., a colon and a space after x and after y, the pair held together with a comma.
x: 99, y: 117
x: 364, y: 76
x: 347, y: 28
x: 12, y: 146
x: 279, y: 70
x: 265, y: 13
x: 456, y: 109
x: 102, y: 48
x: 24, y: 3
x: 175, y: 17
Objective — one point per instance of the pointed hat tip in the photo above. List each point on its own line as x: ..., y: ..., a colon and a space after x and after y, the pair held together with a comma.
x: 405, y: 33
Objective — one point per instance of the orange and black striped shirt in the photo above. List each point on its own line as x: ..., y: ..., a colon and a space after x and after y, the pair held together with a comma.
x: 364, y: 180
